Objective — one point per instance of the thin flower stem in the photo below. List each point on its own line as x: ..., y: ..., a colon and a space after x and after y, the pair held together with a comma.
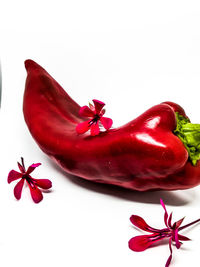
x: 187, y: 225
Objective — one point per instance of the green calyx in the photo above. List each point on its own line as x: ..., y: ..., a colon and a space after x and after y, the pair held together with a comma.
x: 189, y: 134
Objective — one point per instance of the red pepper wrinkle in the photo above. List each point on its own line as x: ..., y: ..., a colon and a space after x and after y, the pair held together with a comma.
x: 144, y: 154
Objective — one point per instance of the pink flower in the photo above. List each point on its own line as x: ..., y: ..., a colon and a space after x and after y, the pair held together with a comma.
x: 32, y: 182
x: 96, y: 114
x: 171, y: 231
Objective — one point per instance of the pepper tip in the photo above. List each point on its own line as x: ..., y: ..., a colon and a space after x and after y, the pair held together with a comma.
x: 30, y: 64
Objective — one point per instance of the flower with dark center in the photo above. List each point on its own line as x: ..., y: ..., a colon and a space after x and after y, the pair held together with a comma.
x: 171, y: 231
x: 33, y: 183
x: 96, y: 113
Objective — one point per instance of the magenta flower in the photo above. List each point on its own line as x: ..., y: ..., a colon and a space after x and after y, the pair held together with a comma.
x: 96, y: 113
x: 142, y: 242
x: 32, y: 182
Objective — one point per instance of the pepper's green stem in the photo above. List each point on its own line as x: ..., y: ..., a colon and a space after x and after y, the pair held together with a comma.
x: 189, y: 134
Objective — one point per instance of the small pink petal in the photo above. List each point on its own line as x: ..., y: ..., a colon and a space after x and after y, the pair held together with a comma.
x: 92, y: 107
x: 142, y: 242
x: 43, y: 183
x: 139, y: 243
x: 178, y: 244
x: 178, y: 223
x: 36, y: 194
x: 106, y: 122
x: 140, y: 223
x: 168, y: 260
x: 98, y: 105
x: 85, y: 111
x: 83, y: 127
x: 21, y: 168
x: 18, y: 189
x: 170, y: 256
x: 13, y: 175
x: 95, y: 129
x: 32, y: 168
x: 166, y: 214
x: 183, y: 238
x: 103, y: 111
x: 35, y: 165
x: 170, y: 220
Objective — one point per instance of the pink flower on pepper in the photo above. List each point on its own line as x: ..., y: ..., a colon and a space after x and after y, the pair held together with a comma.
x: 32, y: 182
x: 171, y: 231
x: 96, y: 113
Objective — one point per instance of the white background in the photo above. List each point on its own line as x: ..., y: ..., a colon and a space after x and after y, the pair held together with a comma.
x: 129, y: 54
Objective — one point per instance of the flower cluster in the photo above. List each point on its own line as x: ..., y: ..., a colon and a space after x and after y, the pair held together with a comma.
x: 171, y: 231
x: 33, y: 183
x: 95, y: 113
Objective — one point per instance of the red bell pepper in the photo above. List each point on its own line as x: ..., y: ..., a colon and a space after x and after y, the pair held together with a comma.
x: 158, y: 150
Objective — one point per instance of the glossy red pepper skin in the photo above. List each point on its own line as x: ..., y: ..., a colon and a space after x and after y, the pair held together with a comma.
x: 144, y: 154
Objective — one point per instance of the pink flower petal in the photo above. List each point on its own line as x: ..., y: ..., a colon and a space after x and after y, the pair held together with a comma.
x: 170, y: 256
x: 98, y: 105
x: 43, y: 183
x: 36, y: 194
x: 21, y: 168
x: 168, y: 260
x: 142, y: 242
x: 95, y: 129
x: 103, y: 111
x: 106, y: 122
x: 85, y: 111
x: 140, y: 223
x: 183, y: 238
x: 83, y: 127
x: 92, y: 107
x: 166, y: 214
x: 178, y: 223
x: 170, y: 220
x: 18, y: 189
x: 32, y: 168
x: 178, y: 244
x: 13, y: 175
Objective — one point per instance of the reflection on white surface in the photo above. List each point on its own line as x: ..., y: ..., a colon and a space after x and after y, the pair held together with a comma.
x: 153, y: 123
x: 149, y: 140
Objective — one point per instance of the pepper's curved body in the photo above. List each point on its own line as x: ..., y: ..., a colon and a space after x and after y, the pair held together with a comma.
x: 142, y: 155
